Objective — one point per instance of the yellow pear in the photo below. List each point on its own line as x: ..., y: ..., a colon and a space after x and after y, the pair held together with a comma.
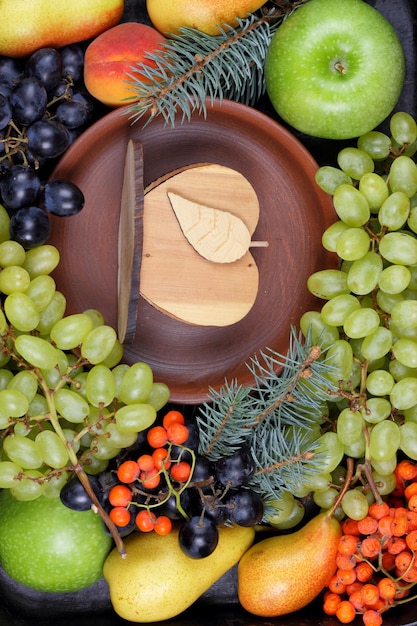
x: 284, y: 573
x: 157, y: 581
x: 205, y: 15
x: 27, y: 25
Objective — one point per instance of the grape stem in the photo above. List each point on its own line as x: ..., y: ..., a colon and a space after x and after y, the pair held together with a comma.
x: 81, y: 474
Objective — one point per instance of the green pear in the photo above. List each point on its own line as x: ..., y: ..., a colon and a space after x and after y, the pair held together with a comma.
x: 284, y: 573
x: 157, y: 581
x: 27, y: 25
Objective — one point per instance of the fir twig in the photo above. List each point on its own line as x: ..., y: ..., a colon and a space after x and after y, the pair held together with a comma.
x: 193, y: 69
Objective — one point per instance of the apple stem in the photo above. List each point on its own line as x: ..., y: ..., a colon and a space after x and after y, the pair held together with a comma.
x: 340, y: 67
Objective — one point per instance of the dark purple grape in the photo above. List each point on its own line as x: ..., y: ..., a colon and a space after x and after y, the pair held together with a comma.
x: 28, y: 101
x: 5, y: 90
x: 45, y: 64
x: 85, y: 99
x: 170, y: 509
x: 5, y: 111
x: 62, y: 88
x: 11, y: 70
x: 62, y: 198
x: 30, y: 227
x: 48, y: 138
x: 198, y: 537
x: 19, y: 187
x: 74, y: 496
x: 245, y: 507
x: 203, y: 473
x: 72, y: 113
x: 236, y: 469
x: 72, y: 57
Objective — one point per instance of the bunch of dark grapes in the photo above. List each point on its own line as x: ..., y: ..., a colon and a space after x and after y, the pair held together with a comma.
x: 163, y: 479
x: 44, y: 106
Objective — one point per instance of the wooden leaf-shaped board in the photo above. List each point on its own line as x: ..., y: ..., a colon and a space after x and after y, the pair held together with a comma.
x: 174, y: 277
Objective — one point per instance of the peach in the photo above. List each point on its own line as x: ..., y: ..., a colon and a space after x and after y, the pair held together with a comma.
x: 170, y: 15
x: 27, y: 25
x: 112, y: 55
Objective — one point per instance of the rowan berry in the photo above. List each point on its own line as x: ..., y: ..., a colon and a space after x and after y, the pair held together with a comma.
x: 177, y: 433
x: 157, y: 436
x: 180, y: 471
x: 120, y: 495
x: 127, y: 472
x: 120, y: 516
x: 172, y: 417
x: 145, y: 520
x: 163, y: 525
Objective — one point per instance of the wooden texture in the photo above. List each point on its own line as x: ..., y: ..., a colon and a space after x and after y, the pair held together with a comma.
x: 130, y: 242
x: 174, y: 277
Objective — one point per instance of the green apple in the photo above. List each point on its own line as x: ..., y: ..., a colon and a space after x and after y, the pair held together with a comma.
x: 334, y: 69
x: 49, y: 547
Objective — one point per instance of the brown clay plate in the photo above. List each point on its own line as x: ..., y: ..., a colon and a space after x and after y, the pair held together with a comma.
x: 293, y: 214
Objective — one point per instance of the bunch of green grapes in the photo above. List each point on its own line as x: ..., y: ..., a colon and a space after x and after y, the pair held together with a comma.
x: 67, y: 402
x: 368, y: 322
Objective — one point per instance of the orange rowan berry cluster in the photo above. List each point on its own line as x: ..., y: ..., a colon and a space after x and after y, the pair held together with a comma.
x: 145, y: 474
x: 377, y: 555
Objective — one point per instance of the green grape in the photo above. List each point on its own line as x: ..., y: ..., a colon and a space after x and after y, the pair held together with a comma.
x: 355, y: 162
x: 361, y: 323
x: 405, y: 351
x: 293, y: 518
x: 354, y: 504
x: 330, y: 451
x: 376, y: 410
x: 70, y: 331
x: 325, y: 498
x: 72, y: 438
x: 53, y: 485
x: 332, y: 234
x: 5, y: 377
x: 340, y: 357
x: 364, y: 274
x: 327, y: 284
x: 403, y: 176
x: 52, y: 313
x: 71, y: 405
x: 329, y: 178
x: 384, y: 468
x: 410, y: 415
x: 399, y: 248
x: 377, y: 344
x: 335, y: 311
x: 394, y: 212
x: 53, y: 377
x: 376, y: 144
x: 11, y: 253
x: 38, y: 406
x: 79, y: 383
x: 384, y: 440
x: 136, y: 384
x: 9, y: 472
x: 115, y: 355
x: 399, y: 371
x: 321, y: 333
x: 133, y: 418
x: 103, y: 449
x: 98, y: 343
x: 25, y: 382
x: 351, y: 206
x: 385, y: 483
x: 319, y: 482
x: 96, y: 420
x: 100, y: 386
x: 13, y: 402
x: 403, y: 128
x: 28, y: 488
x: 41, y: 290
x: 387, y: 301
x: 355, y: 450
x: 408, y: 439
x: 118, y: 439
x: 404, y: 314
x: 21, y: 311
x: 412, y: 219
x: 37, y: 351
x: 22, y: 451
x: 158, y: 396
x: 51, y: 449
x: 4, y: 224
x: 13, y: 279
x: 353, y: 244
x: 394, y: 279
x: 95, y: 466
x: 277, y: 511
x: 118, y: 372
x: 375, y: 190
x: 96, y: 316
x: 41, y: 260
x: 349, y: 426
